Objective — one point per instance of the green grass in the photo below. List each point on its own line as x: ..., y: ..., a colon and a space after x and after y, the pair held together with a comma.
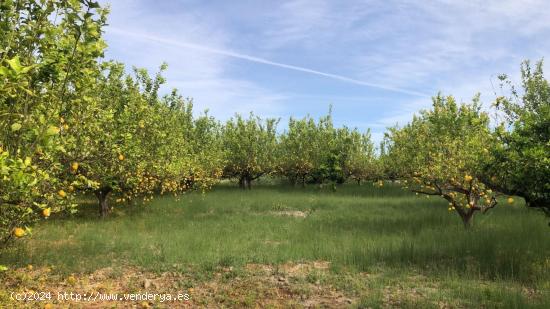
x: 358, y: 229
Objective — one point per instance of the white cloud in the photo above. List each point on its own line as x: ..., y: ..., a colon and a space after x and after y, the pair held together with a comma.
x: 413, y: 47
x: 202, y: 76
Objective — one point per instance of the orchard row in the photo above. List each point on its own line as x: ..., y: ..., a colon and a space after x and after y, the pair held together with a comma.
x: 73, y: 122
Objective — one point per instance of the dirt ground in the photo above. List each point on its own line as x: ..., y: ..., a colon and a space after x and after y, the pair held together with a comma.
x: 292, y: 285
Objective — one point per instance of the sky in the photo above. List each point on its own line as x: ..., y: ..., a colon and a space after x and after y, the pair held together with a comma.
x: 375, y: 62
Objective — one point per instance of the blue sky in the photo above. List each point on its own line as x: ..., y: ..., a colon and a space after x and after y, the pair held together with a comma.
x: 376, y: 62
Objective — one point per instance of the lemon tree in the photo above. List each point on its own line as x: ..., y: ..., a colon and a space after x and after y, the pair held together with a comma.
x: 249, y: 145
x: 521, y: 164
x: 135, y: 143
x: 299, y: 150
x: 362, y: 162
x: 313, y: 151
x: 442, y: 151
x: 47, y: 49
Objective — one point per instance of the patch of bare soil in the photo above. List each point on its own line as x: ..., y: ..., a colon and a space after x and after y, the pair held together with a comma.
x: 291, y: 285
x: 291, y: 213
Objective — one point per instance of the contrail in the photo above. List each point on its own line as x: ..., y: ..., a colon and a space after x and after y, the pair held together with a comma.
x: 229, y: 53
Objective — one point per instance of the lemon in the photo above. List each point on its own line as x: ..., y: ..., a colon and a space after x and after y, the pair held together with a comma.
x: 53, y: 130
x: 71, y: 280
x: 61, y: 193
x: 18, y: 232
x: 468, y: 178
x: 121, y: 157
x: 74, y: 166
x: 510, y: 200
x: 46, y: 212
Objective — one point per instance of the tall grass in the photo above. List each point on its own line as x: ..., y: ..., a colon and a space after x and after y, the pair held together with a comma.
x: 356, y: 228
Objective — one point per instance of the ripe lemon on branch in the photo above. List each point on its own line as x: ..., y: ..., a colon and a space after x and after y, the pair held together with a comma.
x: 47, y: 212
x: 19, y: 232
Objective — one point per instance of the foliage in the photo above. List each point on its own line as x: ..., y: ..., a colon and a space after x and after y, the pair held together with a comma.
x: 300, y: 149
x: 76, y: 123
x: 522, y: 162
x: 317, y: 152
x: 249, y: 146
x: 47, y: 50
x: 362, y: 163
x: 441, y: 153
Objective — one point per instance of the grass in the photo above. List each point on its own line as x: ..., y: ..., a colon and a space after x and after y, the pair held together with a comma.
x: 406, y: 242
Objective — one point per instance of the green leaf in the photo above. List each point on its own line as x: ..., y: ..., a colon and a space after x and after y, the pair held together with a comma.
x: 52, y: 130
x: 15, y: 64
x: 16, y: 127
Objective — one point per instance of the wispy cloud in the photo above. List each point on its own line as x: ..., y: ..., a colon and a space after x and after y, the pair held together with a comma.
x: 389, y: 56
x: 233, y: 54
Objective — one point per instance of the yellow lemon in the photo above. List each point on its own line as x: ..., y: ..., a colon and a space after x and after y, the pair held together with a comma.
x: 74, y: 166
x: 121, y: 157
x: 71, y: 280
x: 29, y: 267
x: 46, y: 212
x: 61, y: 193
x: 18, y: 232
x: 468, y: 178
x: 510, y: 200
x: 52, y: 131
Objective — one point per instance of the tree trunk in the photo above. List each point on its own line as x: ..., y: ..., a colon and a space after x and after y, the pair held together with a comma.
x: 242, y: 182
x: 359, y: 181
x: 103, y: 204
x: 303, y: 181
x: 249, y: 183
x: 467, y: 219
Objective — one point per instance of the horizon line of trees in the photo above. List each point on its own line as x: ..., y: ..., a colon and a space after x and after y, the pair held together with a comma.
x: 73, y: 123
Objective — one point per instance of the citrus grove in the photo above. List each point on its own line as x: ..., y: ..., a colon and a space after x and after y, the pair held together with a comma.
x: 73, y: 123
